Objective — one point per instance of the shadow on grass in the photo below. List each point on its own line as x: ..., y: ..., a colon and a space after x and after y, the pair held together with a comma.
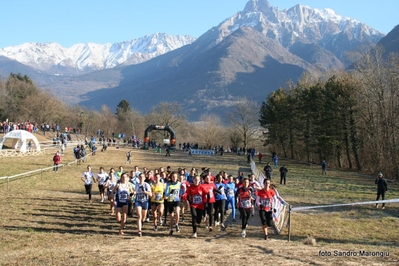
x: 59, y: 230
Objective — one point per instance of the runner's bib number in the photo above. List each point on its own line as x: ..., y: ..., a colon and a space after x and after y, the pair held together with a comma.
x: 230, y: 193
x: 197, y: 199
x: 246, y: 204
x: 158, y: 197
x: 174, y: 195
x: 123, y: 196
x: 265, y: 202
x: 141, y: 197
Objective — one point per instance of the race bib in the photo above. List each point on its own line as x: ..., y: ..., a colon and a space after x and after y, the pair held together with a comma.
x: 265, y: 202
x: 123, y: 196
x: 174, y: 195
x: 197, y: 199
x: 158, y: 196
x: 230, y: 193
x: 141, y: 197
x: 246, y: 203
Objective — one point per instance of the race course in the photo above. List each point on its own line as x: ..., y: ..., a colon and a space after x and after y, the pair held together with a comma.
x: 47, y: 220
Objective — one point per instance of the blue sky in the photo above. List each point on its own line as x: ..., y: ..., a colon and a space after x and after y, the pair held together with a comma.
x: 68, y: 22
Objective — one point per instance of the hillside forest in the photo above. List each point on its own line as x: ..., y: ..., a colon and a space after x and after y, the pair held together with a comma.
x: 348, y: 118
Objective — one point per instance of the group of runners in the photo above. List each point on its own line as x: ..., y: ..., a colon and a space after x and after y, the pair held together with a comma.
x: 162, y: 192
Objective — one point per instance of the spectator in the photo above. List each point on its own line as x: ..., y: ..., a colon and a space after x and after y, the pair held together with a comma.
x: 275, y: 161
x: 283, y: 174
x: 128, y: 158
x: 260, y: 155
x: 382, y: 187
x: 324, y: 168
x: 167, y: 151
x: 268, y: 171
x: 56, y: 160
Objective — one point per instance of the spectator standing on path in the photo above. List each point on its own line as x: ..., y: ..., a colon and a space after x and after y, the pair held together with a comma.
x: 283, y: 174
x: 83, y: 153
x: 260, y: 155
x: 62, y: 148
x: 93, y: 150
x: 167, y: 151
x: 323, y: 167
x: 275, y: 161
x: 128, y: 158
x: 248, y: 158
x: 268, y: 171
x: 56, y: 160
x: 382, y: 187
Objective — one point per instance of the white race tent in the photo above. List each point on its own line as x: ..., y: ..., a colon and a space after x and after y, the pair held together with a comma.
x: 19, y: 140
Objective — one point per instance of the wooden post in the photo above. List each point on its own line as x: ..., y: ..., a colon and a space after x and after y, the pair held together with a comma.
x: 289, y: 223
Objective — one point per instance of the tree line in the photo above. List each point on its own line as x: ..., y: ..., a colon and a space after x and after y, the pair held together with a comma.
x: 22, y: 101
x: 348, y: 118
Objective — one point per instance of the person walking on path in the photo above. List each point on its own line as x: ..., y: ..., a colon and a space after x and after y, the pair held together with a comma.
x: 167, y: 151
x: 283, y: 174
x: 382, y: 187
x: 128, y: 158
x: 260, y: 155
x: 323, y: 167
x: 56, y: 160
x: 275, y: 161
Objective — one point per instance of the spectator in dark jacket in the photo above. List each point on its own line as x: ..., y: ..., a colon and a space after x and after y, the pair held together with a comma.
x: 323, y: 167
x: 283, y: 174
x: 382, y: 187
x: 268, y: 171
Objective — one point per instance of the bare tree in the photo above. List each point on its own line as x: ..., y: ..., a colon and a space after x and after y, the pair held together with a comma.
x: 235, y: 138
x: 167, y: 114
x: 211, y: 130
x: 109, y: 122
x: 244, y: 119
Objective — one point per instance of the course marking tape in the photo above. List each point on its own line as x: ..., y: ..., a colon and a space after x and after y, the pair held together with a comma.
x: 343, y: 204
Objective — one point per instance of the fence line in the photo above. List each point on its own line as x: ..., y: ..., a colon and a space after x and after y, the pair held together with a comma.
x: 33, y: 172
x: 260, y: 176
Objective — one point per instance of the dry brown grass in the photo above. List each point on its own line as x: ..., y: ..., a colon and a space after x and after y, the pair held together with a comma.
x: 46, y: 220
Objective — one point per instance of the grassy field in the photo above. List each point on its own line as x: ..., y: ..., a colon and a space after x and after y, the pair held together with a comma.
x: 46, y: 219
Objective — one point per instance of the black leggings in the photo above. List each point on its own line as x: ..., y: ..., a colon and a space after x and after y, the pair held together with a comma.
x: 196, y: 217
x: 208, y: 210
x: 88, y: 190
x: 219, y: 208
x: 245, y: 214
x: 382, y: 194
x: 166, y: 208
x: 266, y: 217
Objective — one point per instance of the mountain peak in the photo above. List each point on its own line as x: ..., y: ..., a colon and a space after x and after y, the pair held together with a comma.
x: 257, y: 6
x: 86, y: 57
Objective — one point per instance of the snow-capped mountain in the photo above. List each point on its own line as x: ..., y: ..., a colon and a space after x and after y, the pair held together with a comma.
x: 250, y: 54
x: 300, y: 24
x: 81, y: 58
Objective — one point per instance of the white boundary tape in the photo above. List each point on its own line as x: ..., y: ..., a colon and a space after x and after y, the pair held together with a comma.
x: 343, y: 204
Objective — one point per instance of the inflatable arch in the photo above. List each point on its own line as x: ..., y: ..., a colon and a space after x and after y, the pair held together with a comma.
x: 157, y: 127
x: 20, y: 140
